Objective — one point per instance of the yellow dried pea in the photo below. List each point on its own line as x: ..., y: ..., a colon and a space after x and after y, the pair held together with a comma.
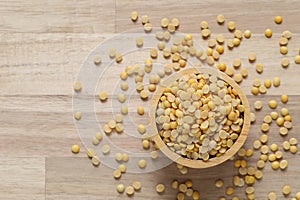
x: 145, y: 19
x: 230, y: 43
x: 260, y: 164
x: 140, y: 110
x: 139, y: 41
x: 238, y: 78
x: 118, y: 118
x: 117, y: 173
x: 283, y: 50
x: 278, y: 19
x: 77, y: 86
x: 120, y: 188
x: 134, y: 15
x: 176, y: 22
x: 247, y: 34
x: 96, y: 161
x: 262, y: 89
x: 90, y: 152
x: 210, y: 60
x: 220, y: 19
x: 275, y: 165
x: 231, y: 25
x: 95, y: 139
x: 267, y: 83
x: 136, y: 185
x: 264, y: 138
x: 205, y: 33
x: 258, y: 105
x: 146, y: 144
x: 160, y: 188
x: 280, y: 121
x: 256, y: 82
x: 244, y: 72
x: 236, y: 62
x: 154, y: 154
x: 287, y: 34
x: 272, y: 104
x: 263, y: 157
x: 283, y: 41
x: 267, y: 119
x: 97, y: 59
x: 286, y: 190
x: 274, y: 147
x: 249, y: 180
x: 229, y: 71
x: 254, y: 90
x: 77, y: 115
x: 297, y: 196
x: 75, y: 148
x: 171, y: 27
x: 125, y: 157
x: 107, y: 129
x: 264, y: 149
x: 268, y: 33
x: 221, y: 66
x: 284, y: 111
x: 141, y: 128
x: 274, y: 115
x: 124, y: 110
x: 236, y: 42
x: 238, y: 34
x: 129, y: 190
x: 220, y: 38
x: 251, y: 56
x: 164, y: 22
x: 118, y: 157
x: 265, y: 127
x: 259, y: 68
x: 272, y: 157
x: 293, y: 141
x: 144, y: 94
x: 284, y: 98
x: 220, y: 49
x: 122, y: 168
x: 297, y: 59
x: 142, y: 163
x: 203, y: 25
x: 252, y: 117
x: 118, y: 57
x: 272, y: 196
x: 249, y: 152
x: 180, y: 196
x: 219, y: 183
x: 196, y: 195
x: 103, y: 95
x: 293, y: 149
x: 105, y: 149
x: 283, y: 131
x: 148, y: 27
x: 112, y: 52
x: 283, y: 164
x: 229, y: 190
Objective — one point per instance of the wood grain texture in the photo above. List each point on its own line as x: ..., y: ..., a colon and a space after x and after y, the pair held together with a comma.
x: 22, y: 178
x: 44, y: 43
x: 56, y: 17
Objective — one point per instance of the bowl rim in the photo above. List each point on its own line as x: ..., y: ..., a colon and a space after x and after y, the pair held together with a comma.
x: 186, y: 161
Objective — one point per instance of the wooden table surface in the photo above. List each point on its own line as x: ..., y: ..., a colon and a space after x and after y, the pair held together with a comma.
x: 44, y: 43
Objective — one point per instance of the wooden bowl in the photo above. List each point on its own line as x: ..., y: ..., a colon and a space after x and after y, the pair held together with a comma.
x: 186, y: 161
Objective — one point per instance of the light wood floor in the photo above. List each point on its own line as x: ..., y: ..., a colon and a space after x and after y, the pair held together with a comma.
x: 44, y: 43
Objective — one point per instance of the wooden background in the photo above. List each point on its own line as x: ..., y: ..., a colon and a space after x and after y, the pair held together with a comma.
x: 42, y: 45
